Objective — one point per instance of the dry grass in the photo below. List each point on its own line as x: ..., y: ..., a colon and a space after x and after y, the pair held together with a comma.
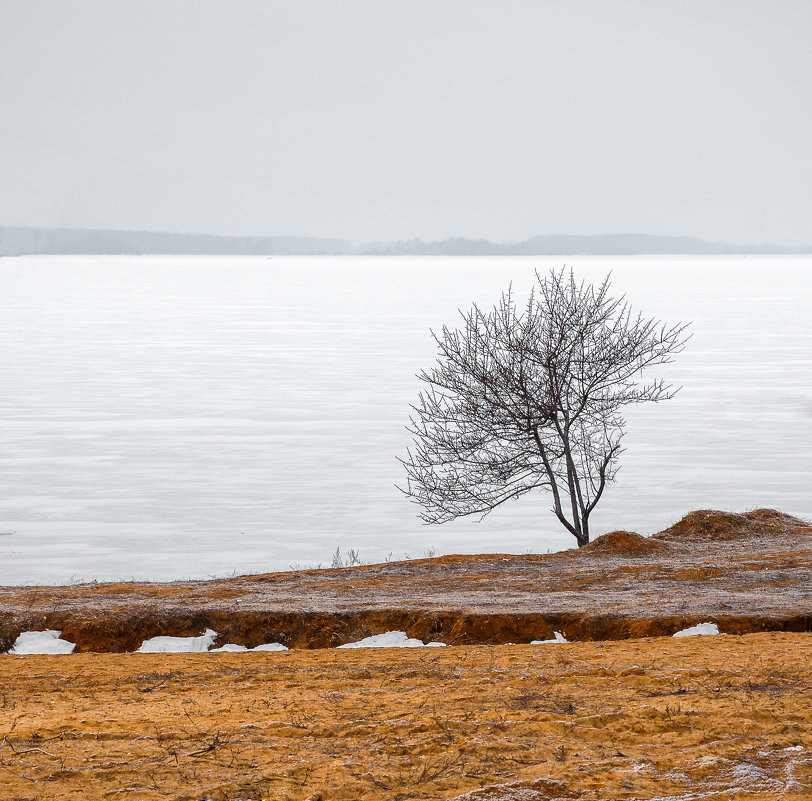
x: 703, y: 717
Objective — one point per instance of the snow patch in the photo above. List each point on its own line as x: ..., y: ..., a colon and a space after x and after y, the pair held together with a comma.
x: 391, y: 639
x: 178, y: 645
x: 557, y: 637
x: 231, y: 648
x: 701, y: 628
x: 41, y: 642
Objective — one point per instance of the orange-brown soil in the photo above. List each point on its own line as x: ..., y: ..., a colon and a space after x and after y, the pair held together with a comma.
x: 713, y: 718
x: 748, y: 572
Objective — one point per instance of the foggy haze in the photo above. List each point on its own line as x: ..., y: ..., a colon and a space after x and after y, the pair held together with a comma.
x: 385, y: 121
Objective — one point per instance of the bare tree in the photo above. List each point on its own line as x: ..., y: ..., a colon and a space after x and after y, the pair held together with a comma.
x: 529, y: 398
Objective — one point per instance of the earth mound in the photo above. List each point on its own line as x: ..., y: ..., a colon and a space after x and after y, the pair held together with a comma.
x: 625, y: 543
x: 714, y: 525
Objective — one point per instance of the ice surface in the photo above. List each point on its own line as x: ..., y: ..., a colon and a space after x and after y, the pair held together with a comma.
x: 271, y: 646
x: 557, y: 637
x: 391, y: 639
x: 178, y: 645
x: 701, y: 628
x: 41, y: 642
x: 173, y: 417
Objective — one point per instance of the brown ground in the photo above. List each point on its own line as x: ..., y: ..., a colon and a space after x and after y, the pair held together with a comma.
x: 714, y: 718
x: 749, y: 572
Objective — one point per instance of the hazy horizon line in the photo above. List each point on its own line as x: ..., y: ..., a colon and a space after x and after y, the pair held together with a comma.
x: 405, y: 238
x: 31, y: 240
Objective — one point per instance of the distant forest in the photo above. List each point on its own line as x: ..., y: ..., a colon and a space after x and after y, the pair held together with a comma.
x: 21, y: 241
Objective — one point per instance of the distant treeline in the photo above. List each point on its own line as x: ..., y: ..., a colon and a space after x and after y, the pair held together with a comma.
x: 572, y: 245
x: 20, y: 241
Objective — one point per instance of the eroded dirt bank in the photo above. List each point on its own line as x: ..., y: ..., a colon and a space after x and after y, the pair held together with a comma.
x: 718, y: 718
x: 748, y: 573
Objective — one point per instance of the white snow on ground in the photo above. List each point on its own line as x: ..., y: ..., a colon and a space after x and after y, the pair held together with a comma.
x: 230, y: 647
x: 178, y: 645
x: 701, y: 628
x: 392, y: 639
x: 557, y: 637
x: 182, y: 645
x: 41, y: 642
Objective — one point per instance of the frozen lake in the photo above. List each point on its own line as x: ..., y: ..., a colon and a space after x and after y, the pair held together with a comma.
x: 168, y: 417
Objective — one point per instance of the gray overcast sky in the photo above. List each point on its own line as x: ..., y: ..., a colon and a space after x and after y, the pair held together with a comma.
x: 386, y: 120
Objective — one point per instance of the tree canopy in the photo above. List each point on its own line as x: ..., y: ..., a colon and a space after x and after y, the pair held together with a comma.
x: 529, y: 397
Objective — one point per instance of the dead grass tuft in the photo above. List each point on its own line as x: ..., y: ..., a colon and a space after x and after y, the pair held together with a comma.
x: 714, y: 525
x: 625, y: 543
